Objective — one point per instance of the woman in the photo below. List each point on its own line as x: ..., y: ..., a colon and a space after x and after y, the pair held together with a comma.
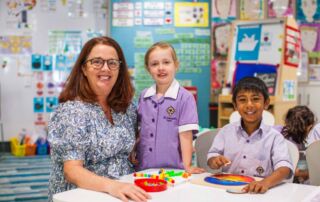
x: 92, y: 131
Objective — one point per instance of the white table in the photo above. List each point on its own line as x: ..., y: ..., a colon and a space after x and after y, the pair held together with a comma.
x: 188, y: 192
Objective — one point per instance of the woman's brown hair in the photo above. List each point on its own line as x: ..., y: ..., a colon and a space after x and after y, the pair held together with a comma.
x: 77, y: 86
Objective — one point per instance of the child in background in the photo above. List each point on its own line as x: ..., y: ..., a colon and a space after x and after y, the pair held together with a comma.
x: 249, y: 147
x: 314, y: 134
x: 298, y: 122
x: 168, y: 115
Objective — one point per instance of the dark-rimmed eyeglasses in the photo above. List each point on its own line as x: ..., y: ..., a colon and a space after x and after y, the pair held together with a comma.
x: 98, y: 63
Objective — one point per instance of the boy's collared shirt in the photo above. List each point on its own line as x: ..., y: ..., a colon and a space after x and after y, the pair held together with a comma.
x: 257, y: 155
x: 161, y: 121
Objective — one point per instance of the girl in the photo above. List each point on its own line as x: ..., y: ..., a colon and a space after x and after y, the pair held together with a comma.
x: 298, y: 123
x: 167, y: 114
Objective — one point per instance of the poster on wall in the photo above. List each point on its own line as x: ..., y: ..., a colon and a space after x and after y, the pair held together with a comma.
x: 303, y: 72
x: 218, y: 73
x: 223, y: 10
x: 289, y: 90
x: 308, y: 10
x: 271, y: 44
x: 248, y: 42
x: 17, y: 14
x: 221, y: 39
x: 292, y: 47
x: 251, y: 9
x: 280, y: 8
x: 310, y: 37
x: 15, y: 44
x: 314, y: 73
x: 191, y: 14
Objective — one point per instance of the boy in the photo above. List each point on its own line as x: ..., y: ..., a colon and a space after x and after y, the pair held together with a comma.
x: 249, y: 147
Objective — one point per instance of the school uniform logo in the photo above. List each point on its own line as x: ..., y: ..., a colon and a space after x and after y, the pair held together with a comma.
x: 170, y: 110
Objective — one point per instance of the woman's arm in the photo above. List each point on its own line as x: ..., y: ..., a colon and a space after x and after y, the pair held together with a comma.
x: 75, y: 173
x: 186, y: 139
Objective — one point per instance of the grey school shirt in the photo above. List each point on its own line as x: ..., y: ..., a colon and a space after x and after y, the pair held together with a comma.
x: 257, y: 155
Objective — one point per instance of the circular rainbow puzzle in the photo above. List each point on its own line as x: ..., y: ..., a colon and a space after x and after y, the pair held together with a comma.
x: 229, y: 179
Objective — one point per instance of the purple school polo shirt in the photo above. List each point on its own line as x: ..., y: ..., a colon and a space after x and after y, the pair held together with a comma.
x: 161, y: 121
x: 257, y: 155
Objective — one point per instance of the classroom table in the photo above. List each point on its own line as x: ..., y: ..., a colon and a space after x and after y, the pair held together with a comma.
x: 188, y: 192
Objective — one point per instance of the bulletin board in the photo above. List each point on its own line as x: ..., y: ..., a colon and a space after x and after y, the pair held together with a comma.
x: 259, y: 43
x: 136, y: 25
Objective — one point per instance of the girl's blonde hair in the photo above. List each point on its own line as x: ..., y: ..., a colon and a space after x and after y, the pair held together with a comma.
x: 162, y: 45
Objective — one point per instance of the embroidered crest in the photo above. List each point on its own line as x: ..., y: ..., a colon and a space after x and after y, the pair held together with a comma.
x: 170, y: 110
x: 260, y: 170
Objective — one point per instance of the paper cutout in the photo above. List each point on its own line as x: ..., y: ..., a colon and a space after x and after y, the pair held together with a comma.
x: 280, y: 8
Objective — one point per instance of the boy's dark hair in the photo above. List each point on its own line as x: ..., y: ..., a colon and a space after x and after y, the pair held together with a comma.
x: 252, y: 84
x: 297, y: 121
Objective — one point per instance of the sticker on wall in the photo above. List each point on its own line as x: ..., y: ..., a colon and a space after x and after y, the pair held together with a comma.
x: 50, y: 88
x: 60, y: 62
x: 36, y: 62
x: 192, y: 14
x: 70, y: 60
x: 223, y: 10
x: 40, y: 120
x: 51, y: 103
x: 47, y: 63
x: 308, y: 10
x: 282, y: 8
x: 39, y: 88
x: 248, y: 42
x: 38, y: 104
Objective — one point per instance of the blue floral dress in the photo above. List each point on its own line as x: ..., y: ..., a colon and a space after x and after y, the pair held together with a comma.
x: 80, y: 131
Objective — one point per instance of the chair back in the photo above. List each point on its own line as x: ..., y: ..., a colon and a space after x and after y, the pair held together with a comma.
x: 313, y: 162
x: 267, y: 117
x: 202, y: 146
x: 294, y: 155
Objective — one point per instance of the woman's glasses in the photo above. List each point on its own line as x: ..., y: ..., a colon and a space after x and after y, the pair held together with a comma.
x: 98, y: 63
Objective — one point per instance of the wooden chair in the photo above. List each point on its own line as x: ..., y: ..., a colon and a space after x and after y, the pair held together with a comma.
x: 313, y: 162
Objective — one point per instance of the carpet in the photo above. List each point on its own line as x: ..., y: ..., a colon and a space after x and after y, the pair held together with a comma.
x: 24, y: 178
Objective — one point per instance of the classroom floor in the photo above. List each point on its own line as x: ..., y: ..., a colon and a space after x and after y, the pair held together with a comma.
x: 24, y: 178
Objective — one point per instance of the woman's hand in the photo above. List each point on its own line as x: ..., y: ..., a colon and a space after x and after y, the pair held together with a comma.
x: 126, y: 191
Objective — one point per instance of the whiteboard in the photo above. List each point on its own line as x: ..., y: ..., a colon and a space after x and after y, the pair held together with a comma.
x: 18, y: 91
